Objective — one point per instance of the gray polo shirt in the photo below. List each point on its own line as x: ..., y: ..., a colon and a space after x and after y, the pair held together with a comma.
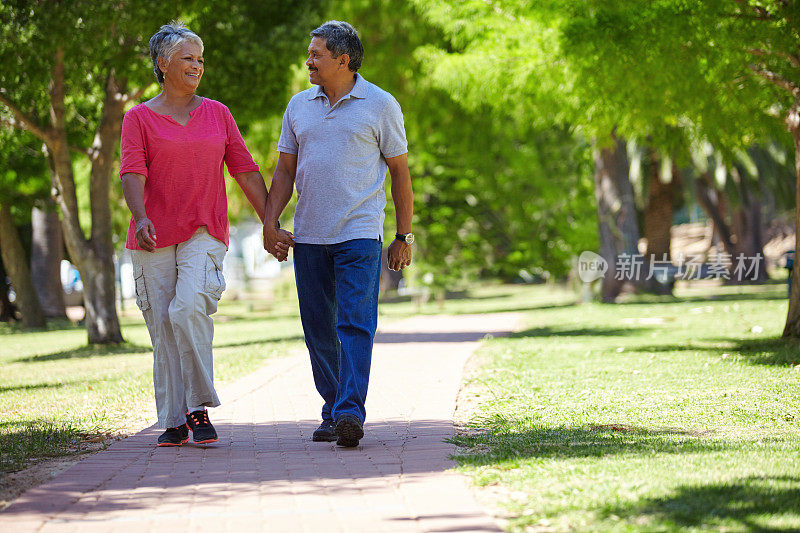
x: 341, y: 161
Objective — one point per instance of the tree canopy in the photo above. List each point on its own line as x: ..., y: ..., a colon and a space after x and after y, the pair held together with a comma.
x: 70, y: 69
x: 493, y: 197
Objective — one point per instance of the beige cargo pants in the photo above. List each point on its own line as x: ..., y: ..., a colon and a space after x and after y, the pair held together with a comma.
x: 177, y: 289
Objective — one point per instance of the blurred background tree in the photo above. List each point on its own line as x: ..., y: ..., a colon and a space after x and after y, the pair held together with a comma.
x: 725, y: 72
x: 671, y: 75
x: 496, y: 196
x: 70, y: 69
x: 24, y: 182
x: 536, y: 130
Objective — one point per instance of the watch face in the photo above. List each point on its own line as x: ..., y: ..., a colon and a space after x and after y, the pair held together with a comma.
x: 407, y: 238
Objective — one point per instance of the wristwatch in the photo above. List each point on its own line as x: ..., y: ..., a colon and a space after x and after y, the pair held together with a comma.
x: 407, y: 238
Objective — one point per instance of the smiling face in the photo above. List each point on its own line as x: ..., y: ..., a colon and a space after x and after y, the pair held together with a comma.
x: 184, y: 68
x: 322, y: 67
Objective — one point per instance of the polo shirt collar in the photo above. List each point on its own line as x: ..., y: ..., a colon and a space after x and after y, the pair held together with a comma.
x: 316, y: 93
x: 359, y: 90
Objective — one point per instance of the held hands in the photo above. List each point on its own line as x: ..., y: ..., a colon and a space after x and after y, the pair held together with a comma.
x: 146, y: 234
x: 277, y: 242
x: 399, y: 255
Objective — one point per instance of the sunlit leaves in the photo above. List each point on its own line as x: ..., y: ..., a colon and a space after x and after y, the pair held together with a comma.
x: 495, y: 193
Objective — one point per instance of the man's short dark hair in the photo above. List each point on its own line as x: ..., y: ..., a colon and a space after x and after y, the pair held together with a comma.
x: 341, y: 38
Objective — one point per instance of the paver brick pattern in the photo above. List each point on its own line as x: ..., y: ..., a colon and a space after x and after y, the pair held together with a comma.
x: 265, y: 473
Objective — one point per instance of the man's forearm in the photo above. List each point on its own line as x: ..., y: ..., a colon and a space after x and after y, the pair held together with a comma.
x: 403, y: 199
x: 253, y: 187
x: 402, y: 193
x: 279, y: 195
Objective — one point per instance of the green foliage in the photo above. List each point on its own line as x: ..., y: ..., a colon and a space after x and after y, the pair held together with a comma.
x: 504, y: 54
x: 252, y: 43
x: 24, y: 177
x: 672, y: 75
x: 249, y: 47
x: 102, y: 37
x: 493, y: 196
x: 649, y: 69
x: 249, y: 50
x: 680, y: 63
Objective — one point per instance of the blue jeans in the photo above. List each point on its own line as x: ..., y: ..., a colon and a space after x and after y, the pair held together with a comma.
x: 337, y: 285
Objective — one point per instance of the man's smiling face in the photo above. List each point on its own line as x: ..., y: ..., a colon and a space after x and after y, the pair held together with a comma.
x: 321, y: 65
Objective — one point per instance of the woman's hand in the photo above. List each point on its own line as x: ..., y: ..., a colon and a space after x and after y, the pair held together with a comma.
x: 146, y: 234
x: 133, y: 189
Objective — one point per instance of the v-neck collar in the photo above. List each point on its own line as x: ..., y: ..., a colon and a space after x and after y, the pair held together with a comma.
x: 169, y: 117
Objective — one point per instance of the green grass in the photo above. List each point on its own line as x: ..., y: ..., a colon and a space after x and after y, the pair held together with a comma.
x: 57, y: 393
x: 649, y: 415
x: 654, y: 415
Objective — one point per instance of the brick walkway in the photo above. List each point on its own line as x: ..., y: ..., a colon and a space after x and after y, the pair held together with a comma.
x: 265, y: 474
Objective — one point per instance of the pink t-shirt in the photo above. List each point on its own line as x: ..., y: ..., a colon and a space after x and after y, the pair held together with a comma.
x: 185, y: 185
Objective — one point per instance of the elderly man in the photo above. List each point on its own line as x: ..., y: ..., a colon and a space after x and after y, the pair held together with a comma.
x: 337, y: 141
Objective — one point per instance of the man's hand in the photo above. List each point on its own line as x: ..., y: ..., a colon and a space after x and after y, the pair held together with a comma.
x: 277, y: 241
x: 399, y: 255
x: 146, y: 234
x: 403, y: 198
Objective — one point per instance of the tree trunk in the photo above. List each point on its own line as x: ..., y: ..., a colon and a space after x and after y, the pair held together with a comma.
x: 8, y: 311
x: 748, y: 224
x: 19, y: 271
x: 661, y: 198
x: 662, y: 195
x: 709, y: 198
x: 616, y: 213
x: 792, y: 327
x: 46, y: 254
x: 94, y: 258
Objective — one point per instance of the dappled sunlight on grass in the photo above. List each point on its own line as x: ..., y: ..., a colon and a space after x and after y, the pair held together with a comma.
x: 614, y: 417
x: 754, y: 503
x: 641, y: 415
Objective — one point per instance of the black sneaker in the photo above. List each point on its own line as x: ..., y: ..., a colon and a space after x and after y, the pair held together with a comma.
x: 174, y: 436
x: 349, y: 431
x: 325, y: 432
x: 202, y: 430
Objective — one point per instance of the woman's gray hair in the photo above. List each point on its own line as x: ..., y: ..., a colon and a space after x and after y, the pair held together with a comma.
x: 167, y: 40
x: 341, y: 38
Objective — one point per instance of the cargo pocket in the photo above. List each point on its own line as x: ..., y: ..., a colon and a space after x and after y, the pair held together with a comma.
x: 215, y: 281
x: 142, y: 301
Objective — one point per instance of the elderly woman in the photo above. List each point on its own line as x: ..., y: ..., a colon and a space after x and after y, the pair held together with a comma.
x: 172, y: 153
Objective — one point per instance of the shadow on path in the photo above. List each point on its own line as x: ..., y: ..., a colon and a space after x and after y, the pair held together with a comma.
x: 271, y: 457
x: 410, y: 520
x: 415, y: 337
x: 267, y: 340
